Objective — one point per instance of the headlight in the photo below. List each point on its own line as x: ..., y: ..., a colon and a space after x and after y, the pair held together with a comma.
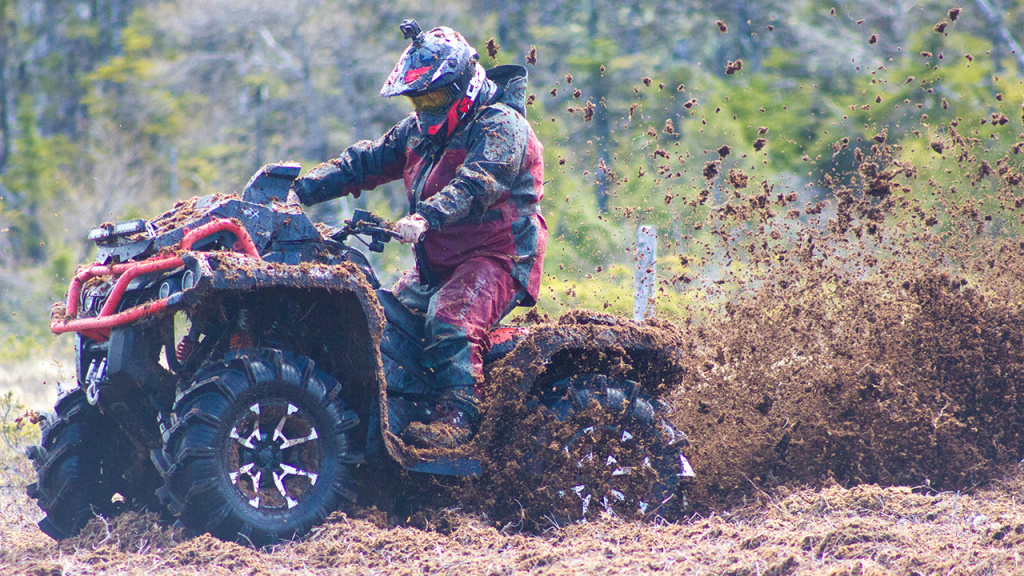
x: 129, y: 227
x: 170, y: 286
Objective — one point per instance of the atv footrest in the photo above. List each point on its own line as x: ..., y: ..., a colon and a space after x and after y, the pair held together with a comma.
x: 450, y: 467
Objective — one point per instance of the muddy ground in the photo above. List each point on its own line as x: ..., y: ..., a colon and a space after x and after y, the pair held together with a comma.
x: 838, y: 531
x: 849, y: 373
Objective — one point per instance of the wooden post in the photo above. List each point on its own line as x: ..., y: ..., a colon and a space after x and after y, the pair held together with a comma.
x: 645, y: 261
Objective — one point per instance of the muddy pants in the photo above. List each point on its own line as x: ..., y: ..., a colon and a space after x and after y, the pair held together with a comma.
x: 459, y: 312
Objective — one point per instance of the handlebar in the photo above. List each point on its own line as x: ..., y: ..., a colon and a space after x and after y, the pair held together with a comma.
x: 364, y: 223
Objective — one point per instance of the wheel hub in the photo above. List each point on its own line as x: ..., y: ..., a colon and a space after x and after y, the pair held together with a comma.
x: 274, y: 456
x: 267, y: 456
x: 602, y: 452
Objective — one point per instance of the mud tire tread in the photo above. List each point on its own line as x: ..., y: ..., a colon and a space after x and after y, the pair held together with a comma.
x: 80, y: 466
x: 632, y: 408
x: 195, y: 488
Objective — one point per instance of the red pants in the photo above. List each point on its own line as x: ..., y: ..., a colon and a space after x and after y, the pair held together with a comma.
x: 460, y: 311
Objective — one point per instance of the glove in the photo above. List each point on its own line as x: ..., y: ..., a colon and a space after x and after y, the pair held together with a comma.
x: 411, y: 228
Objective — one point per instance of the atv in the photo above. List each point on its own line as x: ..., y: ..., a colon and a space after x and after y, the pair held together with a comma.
x: 240, y: 370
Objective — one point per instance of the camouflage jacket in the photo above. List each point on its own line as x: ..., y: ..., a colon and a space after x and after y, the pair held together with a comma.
x: 480, y: 192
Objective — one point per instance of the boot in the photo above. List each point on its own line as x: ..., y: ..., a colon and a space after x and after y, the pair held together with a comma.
x: 454, y: 425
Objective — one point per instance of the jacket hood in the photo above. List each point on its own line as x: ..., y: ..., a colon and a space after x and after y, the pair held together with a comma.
x: 511, y: 82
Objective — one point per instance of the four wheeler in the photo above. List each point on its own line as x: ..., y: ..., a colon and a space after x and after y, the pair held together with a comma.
x: 240, y: 368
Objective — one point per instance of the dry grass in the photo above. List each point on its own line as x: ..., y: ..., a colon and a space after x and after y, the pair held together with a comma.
x: 34, y: 381
x: 835, y: 531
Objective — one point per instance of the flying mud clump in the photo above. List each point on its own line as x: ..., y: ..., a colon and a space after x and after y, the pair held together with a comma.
x: 872, y: 337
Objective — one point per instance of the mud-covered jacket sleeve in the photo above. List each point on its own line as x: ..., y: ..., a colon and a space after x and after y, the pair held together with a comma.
x: 494, y: 157
x: 362, y: 166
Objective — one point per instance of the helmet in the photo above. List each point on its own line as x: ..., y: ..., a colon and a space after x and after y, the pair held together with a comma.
x: 441, y: 74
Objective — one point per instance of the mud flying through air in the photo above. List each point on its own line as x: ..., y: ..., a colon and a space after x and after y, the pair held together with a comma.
x: 255, y: 427
x: 909, y: 375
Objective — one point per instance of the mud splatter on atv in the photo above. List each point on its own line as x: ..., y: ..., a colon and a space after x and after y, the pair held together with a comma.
x: 246, y: 366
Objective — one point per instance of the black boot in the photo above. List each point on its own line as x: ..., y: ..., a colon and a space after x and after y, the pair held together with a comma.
x: 454, y: 425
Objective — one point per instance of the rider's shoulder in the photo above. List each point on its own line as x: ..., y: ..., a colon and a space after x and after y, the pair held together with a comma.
x: 500, y: 117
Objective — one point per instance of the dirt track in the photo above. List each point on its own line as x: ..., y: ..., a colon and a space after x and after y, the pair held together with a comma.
x: 925, y: 400
x: 864, y: 530
x: 853, y: 390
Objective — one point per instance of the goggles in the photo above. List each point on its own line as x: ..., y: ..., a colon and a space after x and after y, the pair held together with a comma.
x: 432, y: 102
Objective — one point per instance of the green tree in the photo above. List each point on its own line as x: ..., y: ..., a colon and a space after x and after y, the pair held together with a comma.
x: 31, y: 182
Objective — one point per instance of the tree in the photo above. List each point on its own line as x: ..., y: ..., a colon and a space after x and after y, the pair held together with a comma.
x: 5, y: 127
x: 31, y: 182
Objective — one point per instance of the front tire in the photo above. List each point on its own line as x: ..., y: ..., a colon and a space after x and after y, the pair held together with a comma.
x: 83, y: 462
x: 260, y: 448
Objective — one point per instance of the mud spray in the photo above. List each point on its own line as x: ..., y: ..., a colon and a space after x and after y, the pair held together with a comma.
x: 876, y: 336
x: 869, y: 333
x: 880, y: 340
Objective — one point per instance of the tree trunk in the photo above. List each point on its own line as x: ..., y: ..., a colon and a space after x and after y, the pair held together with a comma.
x: 999, y: 32
x: 5, y: 125
x: 316, y: 136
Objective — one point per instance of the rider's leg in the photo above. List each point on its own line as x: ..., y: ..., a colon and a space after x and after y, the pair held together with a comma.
x: 476, y: 297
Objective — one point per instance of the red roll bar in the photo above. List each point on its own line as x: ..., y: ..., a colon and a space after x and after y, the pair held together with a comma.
x: 98, y: 327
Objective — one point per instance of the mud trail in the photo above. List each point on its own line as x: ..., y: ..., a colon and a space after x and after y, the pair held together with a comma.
x: 852, y: 390
x: 862, y: 530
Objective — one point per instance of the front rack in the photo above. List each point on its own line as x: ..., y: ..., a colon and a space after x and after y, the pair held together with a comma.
x: 98, y: 327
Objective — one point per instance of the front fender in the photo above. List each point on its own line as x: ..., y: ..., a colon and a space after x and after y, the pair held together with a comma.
x: 216, y: 274
x: 231, y: 271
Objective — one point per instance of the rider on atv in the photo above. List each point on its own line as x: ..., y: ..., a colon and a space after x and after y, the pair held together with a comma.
x: 474, y: 173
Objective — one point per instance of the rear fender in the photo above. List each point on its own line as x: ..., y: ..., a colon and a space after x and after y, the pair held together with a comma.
x: 503, y: 340
x: 545, y: 354
x: 586, y: 342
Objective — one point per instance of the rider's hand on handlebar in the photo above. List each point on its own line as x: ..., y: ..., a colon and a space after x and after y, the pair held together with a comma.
x: 411, y: 228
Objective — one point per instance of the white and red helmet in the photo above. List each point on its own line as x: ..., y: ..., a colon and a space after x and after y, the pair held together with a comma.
x: 440, y: 72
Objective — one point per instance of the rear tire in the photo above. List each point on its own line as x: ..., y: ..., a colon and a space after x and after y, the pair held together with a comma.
x: 617, y: 452
x: 82, y: 462
x: 260, y: 448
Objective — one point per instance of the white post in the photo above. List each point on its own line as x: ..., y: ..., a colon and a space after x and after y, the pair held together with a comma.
x: 645, y: 261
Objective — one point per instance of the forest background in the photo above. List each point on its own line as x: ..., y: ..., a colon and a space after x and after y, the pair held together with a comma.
x: 115, y: 109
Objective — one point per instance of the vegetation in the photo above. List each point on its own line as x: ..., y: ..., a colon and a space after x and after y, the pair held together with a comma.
x: 18, y: 430
x: 112, y: 109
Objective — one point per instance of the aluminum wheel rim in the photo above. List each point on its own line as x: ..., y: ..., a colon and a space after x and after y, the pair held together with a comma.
x: 591, y: 448
x: 274, y: 455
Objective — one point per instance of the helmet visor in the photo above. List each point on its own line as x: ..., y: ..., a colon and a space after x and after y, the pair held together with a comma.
x: 432, y: 102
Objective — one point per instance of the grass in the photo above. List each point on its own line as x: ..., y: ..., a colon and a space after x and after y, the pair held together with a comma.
x: 833, y: 530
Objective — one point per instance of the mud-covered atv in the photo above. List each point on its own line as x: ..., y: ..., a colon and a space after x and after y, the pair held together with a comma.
x: 239, y: 368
